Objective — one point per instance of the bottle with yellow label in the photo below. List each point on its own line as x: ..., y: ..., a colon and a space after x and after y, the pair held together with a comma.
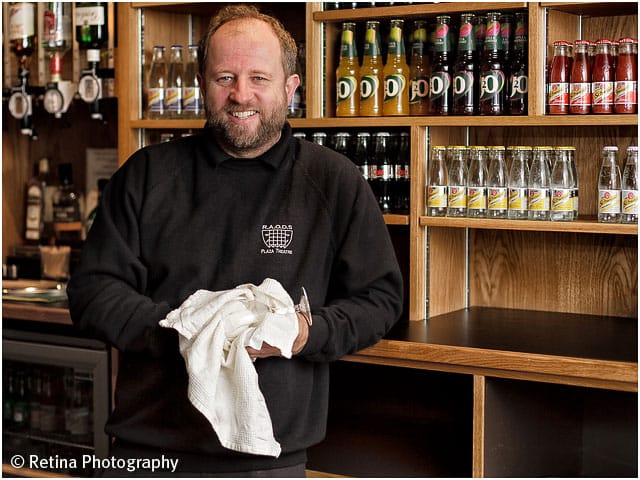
x: 347, y: 92
x: 396, y: 74
x: 371, y: 90
x: 437, y: 182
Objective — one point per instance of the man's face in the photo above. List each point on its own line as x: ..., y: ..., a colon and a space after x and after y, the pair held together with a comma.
x: 245, y: 89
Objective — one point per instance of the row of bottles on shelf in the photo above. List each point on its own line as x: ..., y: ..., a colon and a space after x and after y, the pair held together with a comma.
x: 382, y: 157
x: 486, y: 75
x: 172, y: 90
x: 55, y: 211
x: 534, y: 183
x: 46, y: 400
x: 597, y: 77
x: 91, y: 32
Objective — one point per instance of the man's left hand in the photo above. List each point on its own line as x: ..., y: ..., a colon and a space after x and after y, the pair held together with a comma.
x: 298, y: 344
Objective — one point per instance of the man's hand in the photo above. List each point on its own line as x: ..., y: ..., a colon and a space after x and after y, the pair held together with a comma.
x: 298, y: 344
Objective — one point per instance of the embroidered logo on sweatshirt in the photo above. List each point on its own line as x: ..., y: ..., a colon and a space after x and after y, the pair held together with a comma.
x: 277, y: 239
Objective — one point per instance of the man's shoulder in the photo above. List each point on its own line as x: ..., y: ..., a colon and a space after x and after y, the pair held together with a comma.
x: 321, y: 161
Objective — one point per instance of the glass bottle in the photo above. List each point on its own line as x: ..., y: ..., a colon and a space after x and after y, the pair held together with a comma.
x: 341, y: 141
x: 465, y: 72
x: 609, y: 192
x: 457, y: 187
x: 156, y: 85
x: 92, y: 28
x: 539, y: 185
x: 191, y: 96
x: 497, y: 186
x: 384, y: 171
x: 402, y: 176
x: 440, y: 83
x: 562, y: 188
x: 56, y: 30
x: 518, y: 86
x: 319, y: 138
x: 362, y: 156
x: 419, y: 70
x: 437, y: 182
x: 22, y: 31
x: 396, y: 73
x: 507, y: 29
x: 630, y: 187
x: 626, y: 79
x: 35, y: 230
x: 480, y: 32
x: 477, y: 182
x: 518, y: 183
x: 347, y: 92
x: 580, y: 85
x: 492, y: 76
x: 575, y: 195
x: 173, y: 91
x: 67, y: 217
x: 371, y: 81
x: 558, y: 97
x: 602, y: 79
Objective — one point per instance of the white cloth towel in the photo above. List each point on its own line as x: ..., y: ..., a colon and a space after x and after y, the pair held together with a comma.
x: 214, y: 328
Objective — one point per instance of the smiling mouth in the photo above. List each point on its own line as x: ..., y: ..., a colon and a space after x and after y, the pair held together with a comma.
x: 244, y: 114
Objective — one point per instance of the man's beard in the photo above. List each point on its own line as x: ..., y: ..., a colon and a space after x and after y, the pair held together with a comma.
x: 237, y: 138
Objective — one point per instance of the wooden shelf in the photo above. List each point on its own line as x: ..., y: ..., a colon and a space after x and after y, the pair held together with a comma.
x: 53, y: 313
x: 588, y: 225
x: 584, y: 350
x: 594, y: 9
x: 394, y: 219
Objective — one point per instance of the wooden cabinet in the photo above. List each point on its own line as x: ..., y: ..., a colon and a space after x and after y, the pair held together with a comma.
x: 529, y: 327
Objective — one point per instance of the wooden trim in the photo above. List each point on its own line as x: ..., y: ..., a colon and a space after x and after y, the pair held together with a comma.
x: 314, y: 63
x: 478, y: 426
x: 36, y: 313
x: 537, y: 58
x: 417, y: 242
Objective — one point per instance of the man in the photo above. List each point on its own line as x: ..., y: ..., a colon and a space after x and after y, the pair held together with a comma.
x: 200, y: 213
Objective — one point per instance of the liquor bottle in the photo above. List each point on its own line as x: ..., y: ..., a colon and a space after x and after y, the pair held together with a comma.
x: 457, y: 186
x: 440, y: 84
x: 437, y: 182
x: 492, y: 76
x: 191, y: 96
x: 22, y: 31
x: 497, y: 184
x: 630, y: 187
x: 609, y: 187
x: 67, y: 216
x: 362, y: 157
x: 518, y: 86
x: 173, y: 91
x: 56, y: 30
x: 92, y: 27
x: 371, y: 81
x: 518, y: 182
x: 384, y: 171
x: 402, y: 176
x: 477, y: 182
x: 626, y: 79
x: 558, y: 97
x: 419, y: 71
x: 156, y: 85
x: 396, y: 73
x: 347, y: 91
x: 580, y: 85
x: 539, y: 185
x: 562, y: 187
x: 35, y: 231
x: 465, y: 72
x: 602, y: 79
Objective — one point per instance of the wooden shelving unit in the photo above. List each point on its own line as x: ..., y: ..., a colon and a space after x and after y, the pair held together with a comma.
x: 513, y: 322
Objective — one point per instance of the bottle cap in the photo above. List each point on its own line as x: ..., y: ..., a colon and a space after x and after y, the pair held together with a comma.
x: 610, y: 148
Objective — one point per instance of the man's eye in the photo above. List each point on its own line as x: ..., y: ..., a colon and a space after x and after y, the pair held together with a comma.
x: 226, y: 79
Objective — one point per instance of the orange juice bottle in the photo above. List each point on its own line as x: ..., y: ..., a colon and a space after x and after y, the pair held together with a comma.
x: 371, y: 89
x: 347, y: 93
x: 396, y: 74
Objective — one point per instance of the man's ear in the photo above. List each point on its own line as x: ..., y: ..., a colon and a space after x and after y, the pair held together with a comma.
x: 290, y: 86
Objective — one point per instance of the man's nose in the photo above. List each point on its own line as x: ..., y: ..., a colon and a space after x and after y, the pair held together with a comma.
x: 241, y: 91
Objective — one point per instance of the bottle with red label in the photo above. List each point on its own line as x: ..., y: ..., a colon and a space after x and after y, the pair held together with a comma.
x: 558, y: 97
x: 602, y: 78
x: 465, y: 86
x: 492, y: 76
x: 626, y: 79
x: 580, y: 85
x: 440, y: 85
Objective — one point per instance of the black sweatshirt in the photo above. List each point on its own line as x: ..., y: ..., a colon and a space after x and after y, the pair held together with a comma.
x: 182, y: 216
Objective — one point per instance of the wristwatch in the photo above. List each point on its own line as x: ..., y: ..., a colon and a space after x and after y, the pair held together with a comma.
x: 304, y: 307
